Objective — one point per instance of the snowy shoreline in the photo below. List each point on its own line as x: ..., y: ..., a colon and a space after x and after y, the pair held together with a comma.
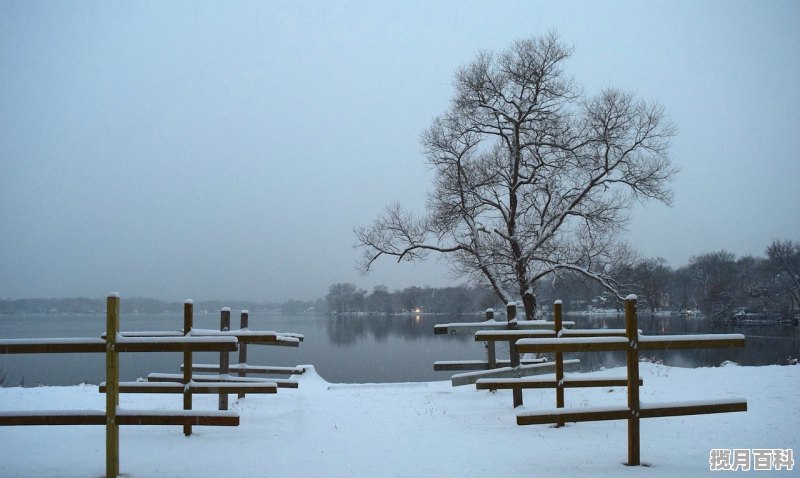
x: 414, y: 430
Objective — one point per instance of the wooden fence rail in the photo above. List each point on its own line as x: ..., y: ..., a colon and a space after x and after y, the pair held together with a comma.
x: 115, y: 343
x: 519, y: 382
x: 490, y: 332
x: 632, y: 343
x: 222, y: 383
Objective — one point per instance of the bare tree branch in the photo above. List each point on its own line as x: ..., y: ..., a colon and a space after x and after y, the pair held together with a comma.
x: 531, y: 177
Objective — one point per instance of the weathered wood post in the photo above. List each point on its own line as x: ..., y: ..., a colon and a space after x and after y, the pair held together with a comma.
x: 224, y: 358
x: 112, y: 385
x: 243, y: 349
x: 558, y: 326
x: 632, y: 332
x: 491, y: 351
x: 511, y: 314
x: 188, y: 323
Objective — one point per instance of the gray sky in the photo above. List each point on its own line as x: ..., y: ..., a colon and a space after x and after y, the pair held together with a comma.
x: 227, y: 149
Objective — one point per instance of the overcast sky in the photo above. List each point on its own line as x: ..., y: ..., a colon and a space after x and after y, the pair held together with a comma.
x: 227, y: 149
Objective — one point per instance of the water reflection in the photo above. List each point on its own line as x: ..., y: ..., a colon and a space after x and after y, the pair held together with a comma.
x: 360, y: 349
x: 345, y: 331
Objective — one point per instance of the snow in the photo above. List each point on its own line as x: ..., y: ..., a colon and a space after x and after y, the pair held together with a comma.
x: 699, y: 338
x: 692, y: 403
x: 53, y: 341
x: 549, y: 323
x: 181, y: 339
x: 494, y: 325
x: 564, y: 411
x: 232, y: 333
x: 631, y: 297
x: 114, y: 295
x: 123, y: 412
x: 73, y: 412
x: 151, y: 333
x: 188, y: 301
x: 414, y: 430
x: 226, y: 309
x: 573, y: 340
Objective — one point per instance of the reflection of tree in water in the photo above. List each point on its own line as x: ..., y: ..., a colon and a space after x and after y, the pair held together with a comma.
x: 765, y: 344
x: 348, y: 330
x: 344, y: 330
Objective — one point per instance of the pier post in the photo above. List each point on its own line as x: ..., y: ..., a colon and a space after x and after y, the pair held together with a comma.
x: 632, y: 332
x: 224, y: 357
x: 188, y: 323
x: 112, y: 386
x: 559, y: 357
x: 491, y: 350
x: 243, y: 348
x: 511, y: 315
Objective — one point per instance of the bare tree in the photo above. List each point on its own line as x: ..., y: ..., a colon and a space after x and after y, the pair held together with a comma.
x: 714, y: 276
x: 651, y: 278
x: 784, y: 256
x: 531, y: 177
x: 344, y: 298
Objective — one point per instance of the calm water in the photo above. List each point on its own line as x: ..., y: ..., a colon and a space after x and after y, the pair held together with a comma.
x: 355, y: 349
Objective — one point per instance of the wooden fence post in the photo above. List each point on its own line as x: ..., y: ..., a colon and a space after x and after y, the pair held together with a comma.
x: 243, y: 349
x: 112, y: 385
x: 558, y: 325
x: 511, y: 314
x: 224, y: 357
x: 188, y: 323
x: 632, y: 332
x: 491, y: 351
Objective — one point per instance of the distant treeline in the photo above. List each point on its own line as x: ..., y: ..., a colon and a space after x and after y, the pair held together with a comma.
x: 82, y: 305
x: 346, y: 298
x: 716, y: 284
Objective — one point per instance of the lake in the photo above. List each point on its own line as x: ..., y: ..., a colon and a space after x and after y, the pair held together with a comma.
x: 359, y: 349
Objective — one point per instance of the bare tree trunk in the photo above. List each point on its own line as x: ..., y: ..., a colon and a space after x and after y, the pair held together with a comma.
x: 529, y: 301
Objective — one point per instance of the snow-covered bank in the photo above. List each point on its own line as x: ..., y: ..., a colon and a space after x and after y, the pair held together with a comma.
x: 414, y: 430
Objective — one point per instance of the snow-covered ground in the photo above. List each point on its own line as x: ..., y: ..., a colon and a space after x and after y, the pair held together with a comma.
x: 415, y: 430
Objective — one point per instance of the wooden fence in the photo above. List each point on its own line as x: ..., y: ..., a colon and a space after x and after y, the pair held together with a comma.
x: 223, y: 369
x: 631, y: 343
x: 490, y: 332
x: 559, y: 364
x: 115, y: 343
x: 222, y: 384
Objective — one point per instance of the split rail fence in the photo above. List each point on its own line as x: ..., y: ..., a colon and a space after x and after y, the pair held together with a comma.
x: 221, y: 383
x: 490, y: 332
x: 112, y: 345
x: 559, y: 364
x: 631, y: 343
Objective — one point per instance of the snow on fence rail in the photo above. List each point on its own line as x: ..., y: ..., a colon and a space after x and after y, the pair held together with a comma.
x: 515, y: 366
x: 221, y: 383
x: 115, y: 343
x: 517, y: 384
x: 511, y: 374
x: 113, y: 416
x: 245, y: 336
x: 634, y: 411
